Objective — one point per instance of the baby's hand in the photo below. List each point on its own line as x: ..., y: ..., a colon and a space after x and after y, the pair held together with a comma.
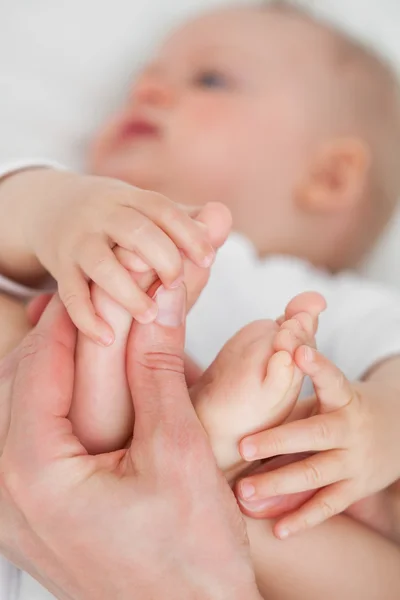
x: 352, y: 443
x: 77, y: 226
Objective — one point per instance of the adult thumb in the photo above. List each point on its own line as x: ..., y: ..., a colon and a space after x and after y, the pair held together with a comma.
x: 155, y: 370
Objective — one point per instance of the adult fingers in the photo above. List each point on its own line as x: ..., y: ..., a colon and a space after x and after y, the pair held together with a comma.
x: 165, y: 420
x: 42, y: 391
x: 35, y: 308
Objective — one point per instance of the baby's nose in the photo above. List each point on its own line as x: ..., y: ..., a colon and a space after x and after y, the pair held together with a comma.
x: 154, y: 90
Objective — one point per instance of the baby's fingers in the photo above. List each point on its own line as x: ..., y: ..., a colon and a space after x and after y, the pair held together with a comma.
x: 131, y: 261
x: 103, y: 268
x: 186, y: 234
x: 75, y: 294
x: 332, y: 388
x: 314, y: 472
x: 314, y: 434
x: 324, y: 505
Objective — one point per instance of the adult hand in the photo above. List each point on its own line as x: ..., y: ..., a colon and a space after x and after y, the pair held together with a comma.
x: 156, y: 520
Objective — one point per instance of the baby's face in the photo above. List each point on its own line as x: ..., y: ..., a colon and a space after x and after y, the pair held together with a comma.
x: 220, y: 114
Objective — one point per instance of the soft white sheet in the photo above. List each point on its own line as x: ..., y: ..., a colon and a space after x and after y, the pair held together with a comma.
x: 65, y: 65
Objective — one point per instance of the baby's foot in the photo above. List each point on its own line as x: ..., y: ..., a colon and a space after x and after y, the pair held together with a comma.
x: 253, y: 384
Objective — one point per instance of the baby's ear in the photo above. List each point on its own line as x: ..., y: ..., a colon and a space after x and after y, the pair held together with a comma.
x: 337, y: 177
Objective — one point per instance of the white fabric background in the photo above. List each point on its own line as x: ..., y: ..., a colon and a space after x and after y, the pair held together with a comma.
x: 65, y: 65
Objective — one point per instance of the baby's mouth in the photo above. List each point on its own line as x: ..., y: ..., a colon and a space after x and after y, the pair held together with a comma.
x: 139, y: 128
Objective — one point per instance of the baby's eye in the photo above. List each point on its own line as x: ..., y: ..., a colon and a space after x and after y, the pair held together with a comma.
x: 212, y: 79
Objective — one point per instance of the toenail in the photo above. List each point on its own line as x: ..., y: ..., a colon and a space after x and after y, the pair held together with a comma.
x: 247, y: 490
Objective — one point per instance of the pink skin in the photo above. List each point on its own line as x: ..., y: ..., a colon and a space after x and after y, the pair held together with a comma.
x: 305, y: 477
x: 101, y: 412
x: 250, y: 386
x: 253, y: 384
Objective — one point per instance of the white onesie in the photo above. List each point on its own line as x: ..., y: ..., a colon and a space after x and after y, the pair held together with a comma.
x: 360, y: 327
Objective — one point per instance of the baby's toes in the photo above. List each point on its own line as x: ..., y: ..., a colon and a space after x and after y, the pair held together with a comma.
x: 281, y: 388
x: 229, y: 397
x: 294, y: 333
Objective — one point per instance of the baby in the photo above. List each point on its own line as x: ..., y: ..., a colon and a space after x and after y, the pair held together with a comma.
x: 296, y: 129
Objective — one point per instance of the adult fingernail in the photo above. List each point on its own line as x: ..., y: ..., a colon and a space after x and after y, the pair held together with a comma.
x: 171, y: 305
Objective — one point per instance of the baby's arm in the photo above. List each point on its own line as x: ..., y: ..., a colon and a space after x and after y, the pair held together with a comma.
x: 69, y: 224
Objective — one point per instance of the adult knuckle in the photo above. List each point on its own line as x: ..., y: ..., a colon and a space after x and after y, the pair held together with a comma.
x: 163, y: 359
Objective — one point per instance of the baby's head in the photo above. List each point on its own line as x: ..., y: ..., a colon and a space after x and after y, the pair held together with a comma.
x: 291, y: 124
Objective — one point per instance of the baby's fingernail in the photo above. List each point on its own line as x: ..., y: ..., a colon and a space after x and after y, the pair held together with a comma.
x: 171, y: 306
x: 208, y: 260
x: 106, y: 339
x: 247, y: 490
x: 248, y: 450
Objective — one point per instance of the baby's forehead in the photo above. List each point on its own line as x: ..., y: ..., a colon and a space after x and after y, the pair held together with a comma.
x: 256, y: 31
